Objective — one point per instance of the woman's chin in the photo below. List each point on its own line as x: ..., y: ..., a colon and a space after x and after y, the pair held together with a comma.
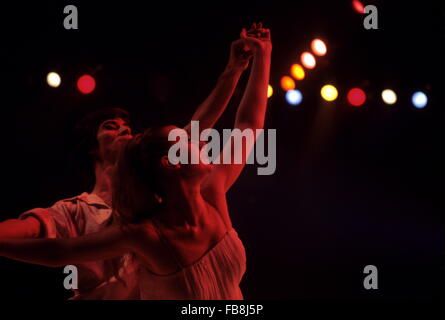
x: 208, y: 167
x: 202, y: 169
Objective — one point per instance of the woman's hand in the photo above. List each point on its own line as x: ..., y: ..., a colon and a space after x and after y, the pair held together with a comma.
x: 240, y: 55
x: 257, y: 39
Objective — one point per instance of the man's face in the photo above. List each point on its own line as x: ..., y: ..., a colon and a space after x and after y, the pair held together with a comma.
x: 111, y: 135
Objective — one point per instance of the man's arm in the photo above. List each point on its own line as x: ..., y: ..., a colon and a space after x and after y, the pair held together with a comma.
x: 214, y: 105
x: 109, y: 243
x: 21, y: 228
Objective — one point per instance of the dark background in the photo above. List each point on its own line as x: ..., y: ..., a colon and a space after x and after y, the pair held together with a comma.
x: 353, y: 186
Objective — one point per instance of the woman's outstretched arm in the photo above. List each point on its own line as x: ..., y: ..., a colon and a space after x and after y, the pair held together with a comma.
x: 108, y: 243
x: 252, y: 109
x: 214, y: 105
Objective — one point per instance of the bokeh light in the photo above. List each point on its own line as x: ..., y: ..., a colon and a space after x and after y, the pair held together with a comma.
x: 356, y: 97
x: 297, y: 71
x: 86, y: 84
x: 287, y: 83
x: 294, y: 97
x: 389, y: 96
x: 308, y: 60
x: 329, y: 92
x: 53, y: 79
x: 318, y: 47
x: 358, y: 6
x: 269, y: 91
x: 419, y: 99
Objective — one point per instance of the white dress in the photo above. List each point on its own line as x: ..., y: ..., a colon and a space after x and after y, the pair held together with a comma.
x: 215, y: 276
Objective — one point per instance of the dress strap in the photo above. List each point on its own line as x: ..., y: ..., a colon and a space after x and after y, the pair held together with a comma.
x: 166, y: 244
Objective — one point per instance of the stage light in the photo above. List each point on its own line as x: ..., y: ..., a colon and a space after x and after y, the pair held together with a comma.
x: 329, y: 92
x: 389, y: 96
x: 297, y: 72
x: 318, y: 47
x: 308, y: 60
x: 287, y: 83
x: 269, y: 91
x: 356, y: 97
x: 53, y: 79
x: 86, y: 84
x: 358, y: 6
x: 419, y: 100
x: 294, y: 97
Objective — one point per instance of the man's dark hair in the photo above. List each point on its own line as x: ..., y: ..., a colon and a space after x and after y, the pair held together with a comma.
x: 82, y: 158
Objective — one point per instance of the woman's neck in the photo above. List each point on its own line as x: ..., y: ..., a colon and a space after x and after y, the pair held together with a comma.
x: 187, y: 207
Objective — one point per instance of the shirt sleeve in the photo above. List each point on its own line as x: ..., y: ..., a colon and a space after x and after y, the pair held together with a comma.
x: 45, y: 218
x: 56, y: 220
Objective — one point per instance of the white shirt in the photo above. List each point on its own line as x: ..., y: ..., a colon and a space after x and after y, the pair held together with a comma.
x: 78, y: 216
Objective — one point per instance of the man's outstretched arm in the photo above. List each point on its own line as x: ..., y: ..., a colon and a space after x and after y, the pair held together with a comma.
x: 109, y: 243
x: 29, y: 227
x: 214, y: 105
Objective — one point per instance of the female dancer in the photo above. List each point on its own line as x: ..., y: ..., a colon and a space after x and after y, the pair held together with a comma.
x: 172, y: 217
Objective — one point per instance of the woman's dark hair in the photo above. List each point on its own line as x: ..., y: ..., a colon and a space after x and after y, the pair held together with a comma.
x: 136, y: 185
x: 137, y: 178
x: 82, y: 158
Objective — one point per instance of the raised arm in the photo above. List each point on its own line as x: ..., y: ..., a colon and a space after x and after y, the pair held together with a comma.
x: 252, y: 109
x: 108, y: 243
x: 214, y: 105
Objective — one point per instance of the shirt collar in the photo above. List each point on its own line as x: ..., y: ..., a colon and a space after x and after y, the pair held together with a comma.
x: 93, y: 199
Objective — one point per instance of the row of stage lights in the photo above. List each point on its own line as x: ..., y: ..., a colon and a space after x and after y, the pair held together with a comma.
x: 355, y: 96
x: 85, y: 84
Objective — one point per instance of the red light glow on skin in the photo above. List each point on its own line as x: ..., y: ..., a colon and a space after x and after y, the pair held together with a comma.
x: 356, y: 97
x: 86, y: 84
x: 358, y: 6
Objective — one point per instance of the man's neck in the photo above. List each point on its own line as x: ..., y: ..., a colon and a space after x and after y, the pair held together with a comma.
x: 102, y: 187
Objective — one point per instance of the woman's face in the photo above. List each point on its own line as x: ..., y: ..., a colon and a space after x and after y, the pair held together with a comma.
x: 111, y: 136
x: 194, y: 151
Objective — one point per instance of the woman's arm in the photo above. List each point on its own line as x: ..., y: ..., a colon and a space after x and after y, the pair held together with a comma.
x: 252, y: 109
x: 108, y: 243
x: 214, y: 105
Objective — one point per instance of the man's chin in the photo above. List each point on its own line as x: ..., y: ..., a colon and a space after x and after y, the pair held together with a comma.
x: 123, y: 139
